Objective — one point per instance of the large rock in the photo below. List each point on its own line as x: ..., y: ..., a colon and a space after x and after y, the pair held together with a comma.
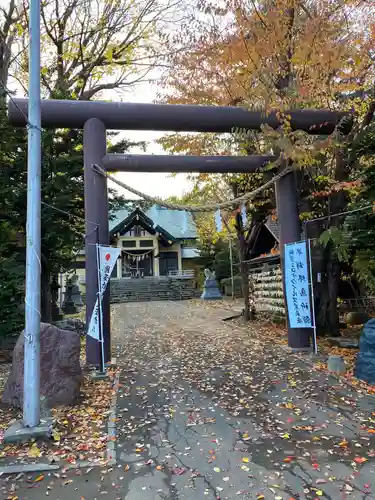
x: 365, y: 365
x: 72, y: 324
x: 61, y: 374
x: 354, y: 318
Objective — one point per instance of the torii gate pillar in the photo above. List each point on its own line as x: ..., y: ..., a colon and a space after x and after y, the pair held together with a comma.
x: 290, y: 232
x: 97, y: 230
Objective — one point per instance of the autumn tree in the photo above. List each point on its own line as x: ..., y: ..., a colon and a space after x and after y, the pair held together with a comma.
x: 282, y: 54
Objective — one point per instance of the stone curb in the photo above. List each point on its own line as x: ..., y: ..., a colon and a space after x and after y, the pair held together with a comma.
x: 311, y: 363
x: 16, y: 469
x: 111, y: 443
x: 80, y: 464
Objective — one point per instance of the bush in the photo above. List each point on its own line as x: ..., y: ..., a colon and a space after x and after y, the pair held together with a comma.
x: 221, y: 264
x: 237, y: 281
x: 11, y: 297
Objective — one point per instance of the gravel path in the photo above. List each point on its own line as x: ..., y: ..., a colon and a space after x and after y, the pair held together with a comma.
x: 209, y: 410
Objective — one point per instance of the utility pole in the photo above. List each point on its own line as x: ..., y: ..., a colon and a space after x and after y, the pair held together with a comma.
x: 242, y: 255
x: 31, y: 386
x: 231, y: 265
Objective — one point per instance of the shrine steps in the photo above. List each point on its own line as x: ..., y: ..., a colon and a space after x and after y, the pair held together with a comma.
x: 152, y: 288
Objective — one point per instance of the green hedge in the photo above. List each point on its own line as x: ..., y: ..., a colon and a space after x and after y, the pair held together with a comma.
x: 237, y: 281
x: 11, y: 298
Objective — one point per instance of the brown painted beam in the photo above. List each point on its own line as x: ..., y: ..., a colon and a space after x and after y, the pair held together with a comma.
x: 168, y: 117
x: 166, y: 163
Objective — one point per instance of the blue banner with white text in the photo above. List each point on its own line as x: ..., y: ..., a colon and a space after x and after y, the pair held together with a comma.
x: 297, y: 285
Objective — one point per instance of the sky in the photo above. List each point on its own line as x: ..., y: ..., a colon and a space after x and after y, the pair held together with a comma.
x: 158, y: 185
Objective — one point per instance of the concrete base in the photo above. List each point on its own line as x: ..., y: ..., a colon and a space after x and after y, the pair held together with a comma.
x: 70, y: 309
x: 336, y: 364
x: 211, y: 291
x: 302, y: 350
x: 99, y: 376
x: 112, y: 363
x: 210, y: 297
x: 19, y: 433
x: 57, y: 317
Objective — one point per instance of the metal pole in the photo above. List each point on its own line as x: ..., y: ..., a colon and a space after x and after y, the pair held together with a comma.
x: 31, y: 385
x: 100, y: 310
x: 231, y: 266
x: 312, y: 296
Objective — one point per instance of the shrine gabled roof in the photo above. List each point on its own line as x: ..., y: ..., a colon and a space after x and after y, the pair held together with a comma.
x: 177, y: 223
x: 273, y: 227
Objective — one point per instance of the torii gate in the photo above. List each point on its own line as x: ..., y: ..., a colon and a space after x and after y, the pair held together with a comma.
x: 95, y: 117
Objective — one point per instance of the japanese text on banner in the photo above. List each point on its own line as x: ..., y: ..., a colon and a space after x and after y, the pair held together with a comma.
x: 297, y: 285
x: 108, y: 258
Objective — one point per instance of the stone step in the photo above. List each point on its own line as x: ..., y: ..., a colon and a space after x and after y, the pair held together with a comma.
x: 149, y: 289
x: 155, y: 286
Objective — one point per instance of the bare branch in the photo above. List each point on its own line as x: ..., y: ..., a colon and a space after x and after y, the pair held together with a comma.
x: 90, y: 41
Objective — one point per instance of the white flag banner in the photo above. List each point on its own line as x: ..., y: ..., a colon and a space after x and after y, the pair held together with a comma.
x: 108, y: 257
x: 107, y: 260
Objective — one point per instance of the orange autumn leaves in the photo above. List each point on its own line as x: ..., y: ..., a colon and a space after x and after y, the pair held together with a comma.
x: 322, y: 48
x: 338, y: 186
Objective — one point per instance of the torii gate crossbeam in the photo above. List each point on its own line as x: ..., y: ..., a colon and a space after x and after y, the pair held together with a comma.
x: 96, y: 117
x: 178, y: 164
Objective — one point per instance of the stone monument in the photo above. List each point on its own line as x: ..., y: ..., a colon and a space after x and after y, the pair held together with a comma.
x: 55, y: 310
x: 210, y: 289
x: 76, y: 292
x: 69, y: 306
x: 365, y: 365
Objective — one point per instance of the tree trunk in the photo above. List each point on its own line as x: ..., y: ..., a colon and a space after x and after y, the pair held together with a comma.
x: 245, y: 277
x: 241, y: 245
x: 327, y: 317
x: 333, y: 276
x: 243, y: 267
x: 8, y: 19
x: 326, y: 292
x: 46, y: 299
x: 327, y: 310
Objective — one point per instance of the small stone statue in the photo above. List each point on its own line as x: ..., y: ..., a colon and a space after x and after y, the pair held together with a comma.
x: 55, y: 310
x: 68, y: 306
x: 210, y: 275
x: 76, y: 292
x: 210, y: 290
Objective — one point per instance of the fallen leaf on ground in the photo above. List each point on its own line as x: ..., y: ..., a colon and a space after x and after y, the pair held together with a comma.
x: 34, y: 451
x: 178, y: 471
